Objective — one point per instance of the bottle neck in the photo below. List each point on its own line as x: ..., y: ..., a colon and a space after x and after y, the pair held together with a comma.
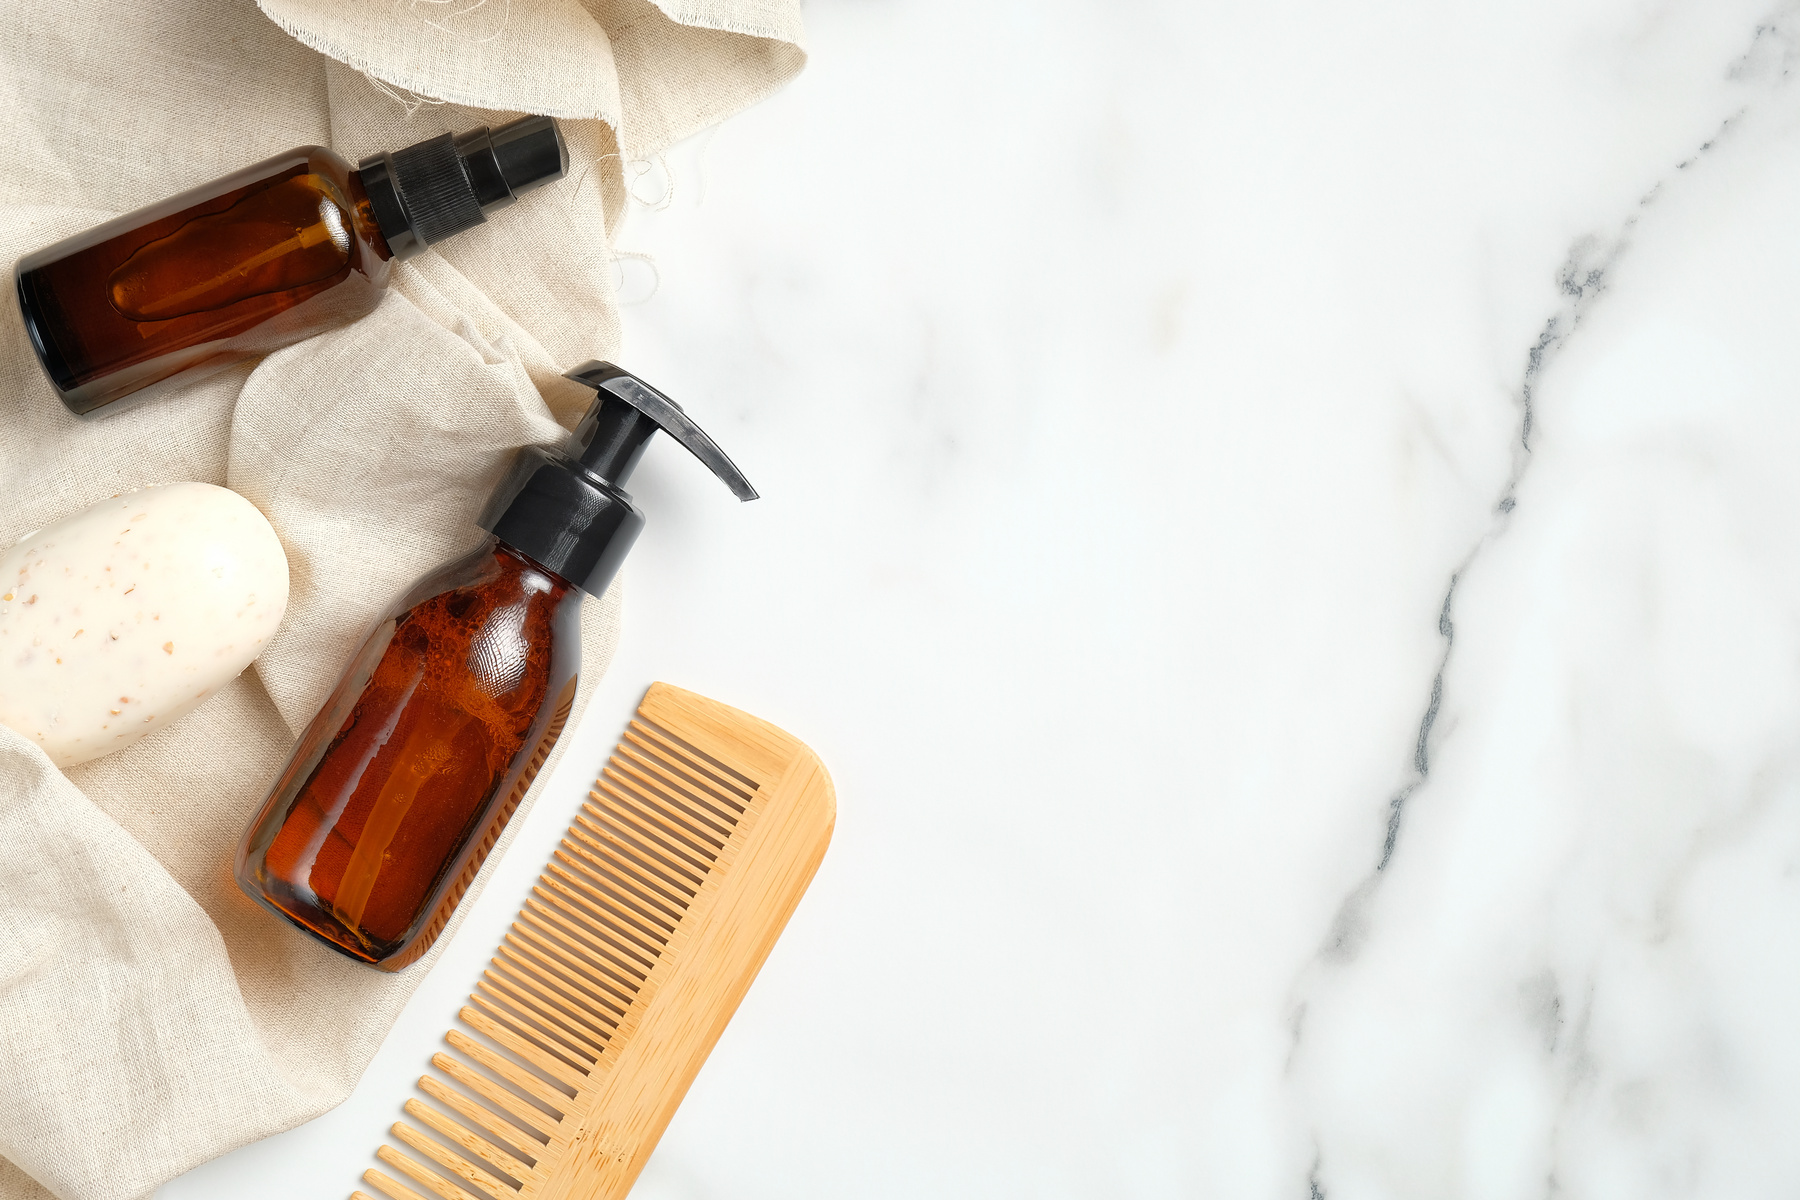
x: 515, y: 561
x: 367, y: 222
x: 374, y: 178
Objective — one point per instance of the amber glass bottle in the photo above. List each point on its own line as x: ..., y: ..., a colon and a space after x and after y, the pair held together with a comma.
x: 401, y: 785
x: 259, y: 259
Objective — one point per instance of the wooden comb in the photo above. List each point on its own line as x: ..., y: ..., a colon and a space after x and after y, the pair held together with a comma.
x: 632, y: 952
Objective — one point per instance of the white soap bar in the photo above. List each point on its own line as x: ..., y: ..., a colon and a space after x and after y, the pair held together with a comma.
x: 119, y: 619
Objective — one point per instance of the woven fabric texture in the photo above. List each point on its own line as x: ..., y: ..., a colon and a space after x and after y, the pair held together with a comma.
x: 151, y: 1017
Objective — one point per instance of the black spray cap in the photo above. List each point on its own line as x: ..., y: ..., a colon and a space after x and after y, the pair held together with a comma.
x: 447, y: 184
x: 567, y: 508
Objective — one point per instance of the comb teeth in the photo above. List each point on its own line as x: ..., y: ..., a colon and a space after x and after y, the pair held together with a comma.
x: 634, y: 880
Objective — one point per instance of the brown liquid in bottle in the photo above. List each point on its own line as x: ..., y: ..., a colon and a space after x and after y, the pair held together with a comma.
x: 398, y: 790
x: 241, y: 266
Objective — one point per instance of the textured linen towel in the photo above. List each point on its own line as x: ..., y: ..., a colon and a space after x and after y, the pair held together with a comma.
x: 151, y: 1017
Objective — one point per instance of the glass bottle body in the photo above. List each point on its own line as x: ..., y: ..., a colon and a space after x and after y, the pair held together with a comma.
x: 238, y: 267
x: 401, y: 785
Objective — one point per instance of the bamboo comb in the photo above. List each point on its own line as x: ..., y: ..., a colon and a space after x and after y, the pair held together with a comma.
x: 632, y: 952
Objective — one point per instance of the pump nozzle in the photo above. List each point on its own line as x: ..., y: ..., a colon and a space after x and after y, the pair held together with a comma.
x: 447, y: 184
x: 566, y: 508
x: 610, y: 439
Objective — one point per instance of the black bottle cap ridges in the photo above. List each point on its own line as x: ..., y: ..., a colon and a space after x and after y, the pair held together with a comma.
x: 566, y: 508
x: 446, y: 184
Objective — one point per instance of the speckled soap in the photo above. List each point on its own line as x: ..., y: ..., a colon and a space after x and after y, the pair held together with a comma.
x: 119, y: 619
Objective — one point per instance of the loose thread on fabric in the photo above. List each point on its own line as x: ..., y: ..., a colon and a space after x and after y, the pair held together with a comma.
x: 649, y: 260
x: 612, y: 256
x: 414, y: 6
x: 634, y: 169
x: 641, y: 167
x: 407, y: 99
x: 572, y: 213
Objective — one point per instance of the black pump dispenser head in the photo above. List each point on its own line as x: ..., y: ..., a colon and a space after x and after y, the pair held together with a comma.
x: 567, y: 509
x: 446, y: 184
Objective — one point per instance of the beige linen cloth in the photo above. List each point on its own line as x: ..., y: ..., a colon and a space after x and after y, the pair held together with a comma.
x: 151, y: 1017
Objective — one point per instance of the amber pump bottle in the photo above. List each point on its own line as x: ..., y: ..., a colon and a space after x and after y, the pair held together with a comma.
x: 260, y: 259
x: 401, y: 785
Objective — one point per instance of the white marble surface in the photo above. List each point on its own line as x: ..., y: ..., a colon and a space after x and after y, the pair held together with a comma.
x: 1282, y: 521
